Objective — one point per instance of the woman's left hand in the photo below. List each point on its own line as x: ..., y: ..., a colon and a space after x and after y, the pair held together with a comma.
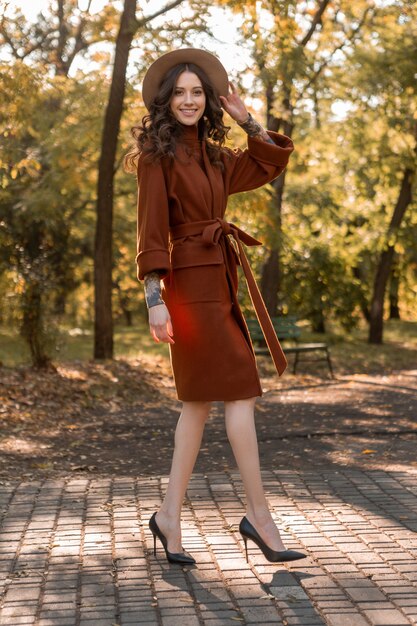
x: 234, y: 105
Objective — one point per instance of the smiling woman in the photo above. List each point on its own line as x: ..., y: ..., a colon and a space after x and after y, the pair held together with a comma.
x: 185, y: 175
x: 163, y: 128
x: 189, y: 100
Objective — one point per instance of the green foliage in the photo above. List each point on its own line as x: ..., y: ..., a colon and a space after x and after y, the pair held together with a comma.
x: 319, y: 285
x: 50, y: 138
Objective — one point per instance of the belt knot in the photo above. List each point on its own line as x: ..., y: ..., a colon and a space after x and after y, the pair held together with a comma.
x: 213, y: 232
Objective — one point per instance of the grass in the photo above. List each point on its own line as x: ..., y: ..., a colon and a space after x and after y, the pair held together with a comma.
x: 77, y: 344
x: 350, y: 351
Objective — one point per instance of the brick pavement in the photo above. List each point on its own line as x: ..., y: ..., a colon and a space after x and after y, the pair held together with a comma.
x: 77, y: 551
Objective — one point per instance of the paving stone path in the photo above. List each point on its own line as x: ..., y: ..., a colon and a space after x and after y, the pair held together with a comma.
x: 77, y: 551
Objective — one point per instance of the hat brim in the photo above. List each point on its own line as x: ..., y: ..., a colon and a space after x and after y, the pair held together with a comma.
x: 209, y: 63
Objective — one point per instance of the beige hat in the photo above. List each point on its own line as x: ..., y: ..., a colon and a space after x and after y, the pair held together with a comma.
x: 209, y: 63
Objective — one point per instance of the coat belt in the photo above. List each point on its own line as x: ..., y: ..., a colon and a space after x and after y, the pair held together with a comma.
x: 215, y: 231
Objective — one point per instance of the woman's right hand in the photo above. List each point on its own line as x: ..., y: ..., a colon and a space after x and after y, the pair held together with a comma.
x: 160, y: 324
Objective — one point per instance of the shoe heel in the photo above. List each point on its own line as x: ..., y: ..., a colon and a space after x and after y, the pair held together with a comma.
x: 245, y: 541
x: 181, y: 557
x: 247, y: 530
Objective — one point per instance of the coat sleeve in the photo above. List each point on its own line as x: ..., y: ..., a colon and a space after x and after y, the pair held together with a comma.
x: 260, y: 163
x: 152, y: 221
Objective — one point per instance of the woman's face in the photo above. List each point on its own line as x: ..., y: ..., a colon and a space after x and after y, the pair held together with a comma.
x: 189, y: 100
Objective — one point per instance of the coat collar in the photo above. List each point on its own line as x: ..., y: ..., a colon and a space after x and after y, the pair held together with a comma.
x: 189, y: 133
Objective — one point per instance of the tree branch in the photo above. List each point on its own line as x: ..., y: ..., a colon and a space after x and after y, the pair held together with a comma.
x: 38, y: 45
x: 144, y: 20
x: 87, y: 10
x: 62, y: 36
x: 8, y: 39
x: 79, y: 43
x: 316, y: 21
x: 325, y: 63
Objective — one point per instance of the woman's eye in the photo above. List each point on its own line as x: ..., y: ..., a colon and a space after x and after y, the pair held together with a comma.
x: 179, y: 92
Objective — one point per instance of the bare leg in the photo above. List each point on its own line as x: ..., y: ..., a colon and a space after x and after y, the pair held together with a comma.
x: 240, y: 428
x: 188, y: 435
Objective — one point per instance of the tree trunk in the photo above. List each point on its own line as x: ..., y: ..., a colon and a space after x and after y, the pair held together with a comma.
x: 363, y: 301
x: 32, y: 328
x: 60, y: 302
x: 271, y: 270
x: 103, y: 256
x: 318, y: 324
x: 376, y: 326
x: 270, y: 281
x: 394, y: 285
x: 124, y: 302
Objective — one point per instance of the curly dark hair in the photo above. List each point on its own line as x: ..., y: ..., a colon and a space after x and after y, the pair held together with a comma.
x: 159, y: 131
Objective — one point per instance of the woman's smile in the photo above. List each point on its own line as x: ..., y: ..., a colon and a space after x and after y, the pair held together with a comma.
x: 189, y: 100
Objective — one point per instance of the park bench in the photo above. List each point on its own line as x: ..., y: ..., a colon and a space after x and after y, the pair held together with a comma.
x: 287, y: 329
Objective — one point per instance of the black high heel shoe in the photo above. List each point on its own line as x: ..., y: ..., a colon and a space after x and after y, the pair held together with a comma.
x: 248, y: 531
x: 184, y: 558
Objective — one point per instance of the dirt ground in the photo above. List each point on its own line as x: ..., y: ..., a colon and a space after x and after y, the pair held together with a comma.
x: 120, y: 417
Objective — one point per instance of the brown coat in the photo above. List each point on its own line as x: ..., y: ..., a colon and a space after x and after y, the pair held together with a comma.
x: 182, y: 232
